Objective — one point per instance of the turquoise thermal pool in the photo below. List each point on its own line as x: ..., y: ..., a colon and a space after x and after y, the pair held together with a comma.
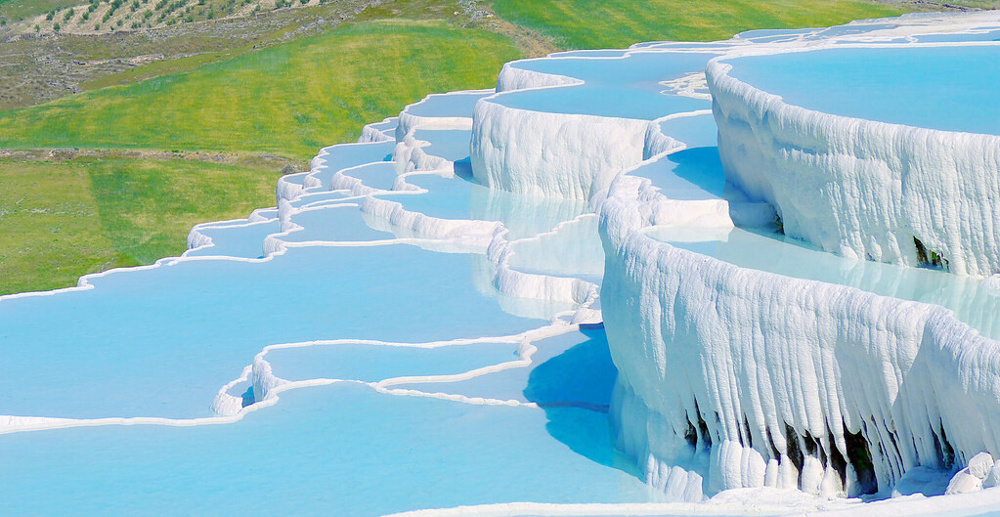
x: 891, y: 85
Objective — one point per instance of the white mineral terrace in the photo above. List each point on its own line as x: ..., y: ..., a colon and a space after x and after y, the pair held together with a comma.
x: 614, y: 285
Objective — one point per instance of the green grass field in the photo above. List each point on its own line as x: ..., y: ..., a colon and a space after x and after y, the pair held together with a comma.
x: 64, y: 219
x: 287, y: 100
x: 578, y: 24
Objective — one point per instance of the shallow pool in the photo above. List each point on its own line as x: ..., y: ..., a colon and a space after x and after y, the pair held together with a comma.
x: 892, y: 85
x: 626, y: 87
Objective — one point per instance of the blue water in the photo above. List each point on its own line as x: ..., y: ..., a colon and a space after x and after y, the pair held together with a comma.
x: 342, y: 156
x: 515, y: 383
x: 334, y: 450
x: 686, y: 175
x: 447, y: 198
x: 619, y: 87
x: 372, y: 363
x: 457, y: 198
x: 572, y: 250
x: 847, y: 30
x: 320, y: 197
x: 888, y: 85
x: 161, y: 342
x: 455, y: 104
x: 637, y: 69
x: 590, y: 53
x: 380, y: 175
x: 236, y: 240
x: 696, y: 131
x: 758, y: 34
x: 450, y: 144
x: 333, y: 224
x: 681, y: 45
x: 992, y: 35
x: 385, y: 125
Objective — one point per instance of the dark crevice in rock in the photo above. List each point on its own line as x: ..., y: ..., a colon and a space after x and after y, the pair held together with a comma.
x: 794, y: 448
x: 860, y: 457
x: 929, y: 258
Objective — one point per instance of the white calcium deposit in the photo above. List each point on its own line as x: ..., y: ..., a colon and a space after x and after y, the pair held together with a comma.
x: 735, y: 378
x: 863, y: 188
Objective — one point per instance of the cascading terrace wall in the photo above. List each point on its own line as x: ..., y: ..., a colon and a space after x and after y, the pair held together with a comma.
x: 861, y: 188
x: 755, y: 379
x: 730, y: 377
x: 549, y: 154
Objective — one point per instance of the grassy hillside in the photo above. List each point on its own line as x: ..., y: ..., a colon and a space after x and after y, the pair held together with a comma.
x: 17, y: 9
x: 287, y: 100
x: 65, y: 218
x: 62, y: 219
x: 577, y: 24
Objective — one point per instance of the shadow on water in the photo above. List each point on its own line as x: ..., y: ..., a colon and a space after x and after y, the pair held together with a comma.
x: 463, y: 169
x: 702, y: 167
x: 574, y: 388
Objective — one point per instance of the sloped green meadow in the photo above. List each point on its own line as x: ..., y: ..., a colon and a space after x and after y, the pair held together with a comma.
x: 287, y: 100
